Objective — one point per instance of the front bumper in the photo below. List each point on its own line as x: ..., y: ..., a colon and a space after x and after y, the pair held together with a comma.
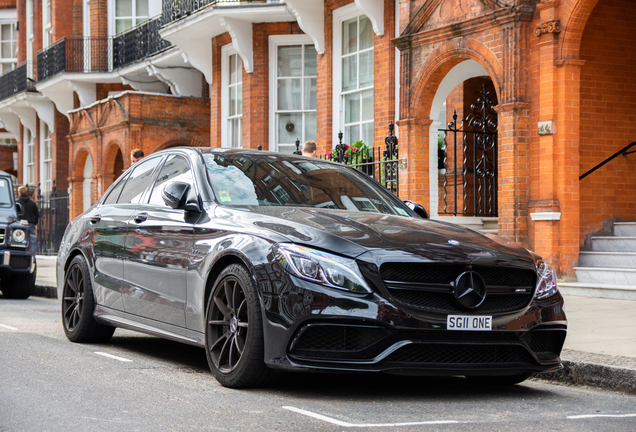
x: 311, y: 327
x: 16, y: 261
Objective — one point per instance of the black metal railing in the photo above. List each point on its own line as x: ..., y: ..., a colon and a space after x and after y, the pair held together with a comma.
x: 16, y: 81
x: 381, y: 164
x: 101, y: 54
x: 622, y: 151
x: 469, y: 186
x: 138, y: 43
x: 53, y: 221
x: 174, y: 10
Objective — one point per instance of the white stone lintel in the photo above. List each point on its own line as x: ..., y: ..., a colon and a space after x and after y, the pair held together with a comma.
x: 546, y: 216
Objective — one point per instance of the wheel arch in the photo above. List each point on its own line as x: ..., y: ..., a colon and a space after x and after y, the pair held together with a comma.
x: 232, y: 257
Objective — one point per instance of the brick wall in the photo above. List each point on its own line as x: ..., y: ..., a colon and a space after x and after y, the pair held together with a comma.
x: 608, y: 114
x: 132, y: 120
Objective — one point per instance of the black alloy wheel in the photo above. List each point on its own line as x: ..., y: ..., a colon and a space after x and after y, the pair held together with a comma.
x: 234, y: 332
x: 78, y: 305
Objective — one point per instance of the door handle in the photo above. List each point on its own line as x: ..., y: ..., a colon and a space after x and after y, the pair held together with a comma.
x: 141, y: 217
x: 95, y: 219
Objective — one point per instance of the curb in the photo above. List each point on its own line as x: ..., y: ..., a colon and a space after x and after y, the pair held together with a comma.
x: 45, y: 291
x: 595, y: 370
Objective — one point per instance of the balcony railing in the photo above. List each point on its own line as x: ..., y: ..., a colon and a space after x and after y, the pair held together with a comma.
x: 101, y: 54
x: 16, y: 81
x: 174, y: 10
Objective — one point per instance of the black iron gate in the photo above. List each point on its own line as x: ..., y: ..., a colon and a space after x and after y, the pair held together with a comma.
x: 470, y: 180
x: 381, y: 164
x: 53, y: 220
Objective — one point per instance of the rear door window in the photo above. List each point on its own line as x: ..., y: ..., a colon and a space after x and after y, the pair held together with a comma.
x: 138, y: 181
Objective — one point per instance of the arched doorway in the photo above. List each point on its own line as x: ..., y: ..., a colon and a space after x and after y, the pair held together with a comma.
x: 118, y: 167
x: 87, y: 184
x: 459, y: 91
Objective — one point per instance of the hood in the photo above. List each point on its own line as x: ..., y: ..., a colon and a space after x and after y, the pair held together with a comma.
x: 381, y: 237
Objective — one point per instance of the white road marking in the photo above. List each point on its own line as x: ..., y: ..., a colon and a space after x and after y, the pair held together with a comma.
x: 6, y: 326
x: 586, y: 416
x: 345, y: 424
x: 112, y: 356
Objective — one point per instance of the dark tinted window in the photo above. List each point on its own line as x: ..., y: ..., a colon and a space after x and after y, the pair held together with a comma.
x: 176, y: 168
x: 114, y: 193
x: 239, y: 180
x: 5, y: 193
x: 138, y: 181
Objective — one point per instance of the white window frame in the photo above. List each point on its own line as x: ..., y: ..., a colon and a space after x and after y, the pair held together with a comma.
x: 28, y: 149
x: 226, y: 52
x: 30, y: 37
x: 154, y: 9
x: 46, y: 183
x: 47, y: 34
x: 274, y: 43
x: 339, y: 16
x: 10, y: 17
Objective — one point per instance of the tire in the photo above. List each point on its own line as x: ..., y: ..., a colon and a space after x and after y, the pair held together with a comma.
x: 19, y: 286
x: 78, y: 305
x: 500, y: 380
x: 234, y: 342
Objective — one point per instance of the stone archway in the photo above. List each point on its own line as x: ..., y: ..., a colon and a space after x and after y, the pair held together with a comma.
x: 113, y: 164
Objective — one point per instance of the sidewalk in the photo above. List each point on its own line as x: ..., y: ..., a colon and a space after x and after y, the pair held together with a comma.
x: 600, y: 349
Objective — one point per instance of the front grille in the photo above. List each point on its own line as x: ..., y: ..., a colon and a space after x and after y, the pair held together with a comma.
x: 336, y: 338
x: 2, y: 233
x: 443, y: 354
x: 429, y: 287
x: 20, y: 262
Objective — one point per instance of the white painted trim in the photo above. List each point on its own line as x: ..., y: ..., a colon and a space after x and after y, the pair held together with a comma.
x: 11, y: 123
x: 110, y: 13
x: 546, y: 216
x: 339, y: 15
x: 45, y: 110
x: 274, y: 43
x: 374, y: 9
x: 10, y: 15
x: 226, y: 52
x: 310, y: 15
x: 242, y: 38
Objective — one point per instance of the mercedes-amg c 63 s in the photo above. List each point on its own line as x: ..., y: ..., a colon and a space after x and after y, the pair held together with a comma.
x: 274, y: 262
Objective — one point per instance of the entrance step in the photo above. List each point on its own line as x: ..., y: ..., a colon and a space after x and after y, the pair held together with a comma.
x: 614, y: 244
x: 607, y: 259
x: 612, y: 276
x: 491, y: 225
x: 585, y: 289
x: 625, y: 229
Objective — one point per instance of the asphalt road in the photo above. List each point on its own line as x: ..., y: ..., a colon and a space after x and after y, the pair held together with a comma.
x: 142, y: 383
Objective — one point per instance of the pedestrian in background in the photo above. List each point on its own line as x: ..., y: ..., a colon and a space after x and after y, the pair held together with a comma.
x: 309, y: 149
x: 136, y: 155
x: 29, y: 208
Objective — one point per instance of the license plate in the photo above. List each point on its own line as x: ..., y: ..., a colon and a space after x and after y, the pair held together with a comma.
x: 466, y: 322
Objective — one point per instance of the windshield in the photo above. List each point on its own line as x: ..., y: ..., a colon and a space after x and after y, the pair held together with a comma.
x: 5, y: 193
x: 239, y: 180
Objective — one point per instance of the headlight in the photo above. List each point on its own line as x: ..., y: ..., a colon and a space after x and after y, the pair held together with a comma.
x: 546, y: 282
x: 321, y: 267
x: 18, y: 236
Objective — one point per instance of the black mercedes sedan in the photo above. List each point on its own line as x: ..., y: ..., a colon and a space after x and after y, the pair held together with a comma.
x: 285, y: 263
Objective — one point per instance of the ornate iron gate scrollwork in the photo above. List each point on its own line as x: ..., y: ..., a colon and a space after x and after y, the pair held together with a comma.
x: 474, y: 178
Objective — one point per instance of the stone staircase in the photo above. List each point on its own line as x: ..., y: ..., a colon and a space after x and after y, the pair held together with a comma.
x: 609, y: 269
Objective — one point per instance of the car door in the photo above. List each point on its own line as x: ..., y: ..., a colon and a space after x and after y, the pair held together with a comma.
x: 158, y: 248
x: 109, y: 222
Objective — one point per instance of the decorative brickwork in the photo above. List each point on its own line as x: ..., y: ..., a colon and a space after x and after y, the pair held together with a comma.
x: 132, y: 120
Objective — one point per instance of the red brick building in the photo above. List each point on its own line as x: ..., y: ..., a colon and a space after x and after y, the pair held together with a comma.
x: 558, y: 76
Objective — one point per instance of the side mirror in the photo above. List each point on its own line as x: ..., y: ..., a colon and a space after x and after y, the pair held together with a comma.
x: 18, y: 207
x: 179, y: 195
x: 417, y: 208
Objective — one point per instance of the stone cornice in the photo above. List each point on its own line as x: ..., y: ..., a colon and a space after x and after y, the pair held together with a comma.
x: 464, y: 28
x: 549, y: 4
x: 512, y: 106
x: 569, y: 62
